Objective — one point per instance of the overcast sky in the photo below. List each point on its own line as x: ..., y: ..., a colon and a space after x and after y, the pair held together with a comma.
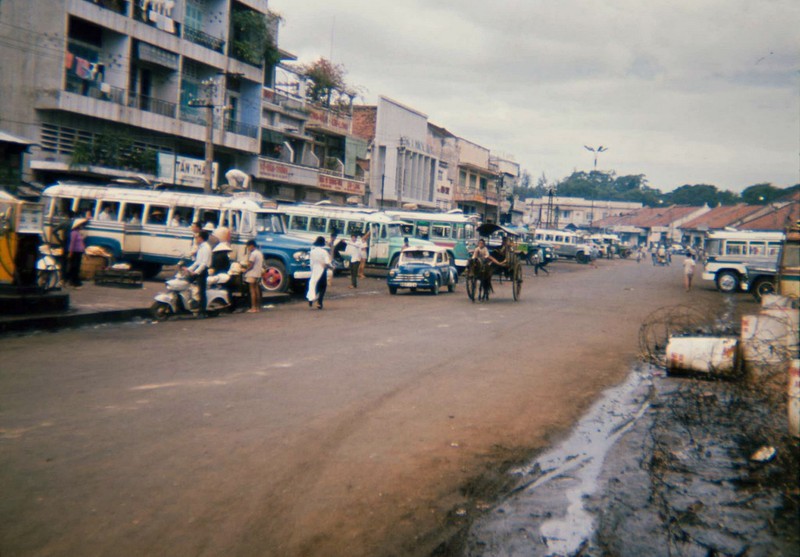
x: 682, y: 91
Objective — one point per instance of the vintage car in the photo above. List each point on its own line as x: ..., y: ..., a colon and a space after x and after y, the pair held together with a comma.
x: 427, y: 268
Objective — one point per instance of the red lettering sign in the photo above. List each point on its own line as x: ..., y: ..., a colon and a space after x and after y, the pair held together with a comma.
x: 342, y: 185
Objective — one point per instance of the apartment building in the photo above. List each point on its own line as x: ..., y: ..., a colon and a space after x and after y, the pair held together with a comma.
x: 125, y: 88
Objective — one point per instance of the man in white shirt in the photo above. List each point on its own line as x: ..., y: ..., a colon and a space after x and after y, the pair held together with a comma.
x: 199, y: 269
x: 354, y: 251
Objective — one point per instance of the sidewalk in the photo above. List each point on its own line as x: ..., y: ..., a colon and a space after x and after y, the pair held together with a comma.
x: 94, y: 304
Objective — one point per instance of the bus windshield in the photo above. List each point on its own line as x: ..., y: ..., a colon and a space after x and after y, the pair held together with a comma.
x: 394, y: 230
x: 269, y: 222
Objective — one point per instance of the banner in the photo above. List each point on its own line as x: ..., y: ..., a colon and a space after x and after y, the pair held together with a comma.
x: 185, y: 171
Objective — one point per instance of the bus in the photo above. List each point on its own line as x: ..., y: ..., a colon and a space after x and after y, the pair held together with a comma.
x: 151, y: 228
x: 385, y: 240
x: 567, y: 244
x: 741, y: 260
x: 453, y: 230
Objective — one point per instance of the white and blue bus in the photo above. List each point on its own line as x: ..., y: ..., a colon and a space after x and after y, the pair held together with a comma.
x: 453, y: 230
x: 150, y: 228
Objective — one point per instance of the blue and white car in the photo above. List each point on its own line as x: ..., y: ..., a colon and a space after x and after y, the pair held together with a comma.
x: 423, y: 268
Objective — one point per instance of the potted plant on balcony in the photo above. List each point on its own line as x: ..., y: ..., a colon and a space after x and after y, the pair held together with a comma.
x: 253, y: 40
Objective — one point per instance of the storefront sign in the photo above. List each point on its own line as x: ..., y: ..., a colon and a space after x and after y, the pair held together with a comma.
x: 185, y: 171
x: 329, y: 120
x: 277, y: 171
x: 342, y: 185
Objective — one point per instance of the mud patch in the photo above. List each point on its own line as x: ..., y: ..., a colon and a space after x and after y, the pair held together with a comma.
x: 659, y: 466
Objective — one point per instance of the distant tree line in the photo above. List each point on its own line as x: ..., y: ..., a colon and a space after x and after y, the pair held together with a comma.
x: 608, y: 186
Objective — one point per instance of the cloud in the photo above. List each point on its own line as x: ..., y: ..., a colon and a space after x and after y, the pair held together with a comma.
x: 682, y: 91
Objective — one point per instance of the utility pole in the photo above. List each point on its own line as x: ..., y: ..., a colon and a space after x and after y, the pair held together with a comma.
x: 210, y: 93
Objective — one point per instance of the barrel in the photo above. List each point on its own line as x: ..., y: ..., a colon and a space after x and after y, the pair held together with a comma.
x: 711, y: 355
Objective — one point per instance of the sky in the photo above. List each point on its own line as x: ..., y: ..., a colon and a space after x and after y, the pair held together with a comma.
x: 682, y: 91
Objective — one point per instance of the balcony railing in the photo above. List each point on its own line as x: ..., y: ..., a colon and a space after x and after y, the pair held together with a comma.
x: 240, y: 128
x: 155, y: 19
x: 203, y: 39
x: 150, y: 104
x: 119, y: 6
x: 101, y: 92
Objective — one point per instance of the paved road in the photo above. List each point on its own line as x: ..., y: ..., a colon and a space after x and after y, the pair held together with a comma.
x: 366, y: 429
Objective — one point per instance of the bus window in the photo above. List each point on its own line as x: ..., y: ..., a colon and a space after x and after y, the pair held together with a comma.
x: 109, y: 211
x: 182, y: 216
x: 133, y: 213
x: 336, y: 226
x: 317, y: 224
x: 355, y: 227
x: 773, y: 248
x: 757, y: 248
x: 735, y: 248
x: 440, y: 231
x: 157, y: 214
x: 86, y: 208
x: 208, y: 217
x: 246, y: 222
x: 407, y: 229
x: 269, y: 222
x: 298, y: 222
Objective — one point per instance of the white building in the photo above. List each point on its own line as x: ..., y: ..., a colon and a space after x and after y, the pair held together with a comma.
x: 560, y: 212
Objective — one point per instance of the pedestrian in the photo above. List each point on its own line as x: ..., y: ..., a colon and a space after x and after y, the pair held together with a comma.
x: 77, y: 246
x: 320, y: 261
x: 541, y: 262
x: 199, y: 269
x: 638, y: 255
x: 406, y: 245
x: 364, y: 254
x: 252, y: 276
x: 688, y: 271
x: 196, y: 228
x: 354, y: 251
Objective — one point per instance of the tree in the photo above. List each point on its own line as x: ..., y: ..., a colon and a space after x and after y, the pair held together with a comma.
x: 695, y: 195
x: 761, y: 194
x: 325, y: 77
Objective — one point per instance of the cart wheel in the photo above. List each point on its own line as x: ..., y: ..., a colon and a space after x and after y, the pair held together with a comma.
x: 516, y: 281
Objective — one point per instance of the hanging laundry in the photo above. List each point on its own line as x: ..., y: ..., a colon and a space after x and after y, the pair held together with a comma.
x: 83, y: 68
x: 69, y: 58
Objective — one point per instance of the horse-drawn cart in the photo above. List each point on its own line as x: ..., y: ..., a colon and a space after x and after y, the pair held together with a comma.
x: 505, y: 262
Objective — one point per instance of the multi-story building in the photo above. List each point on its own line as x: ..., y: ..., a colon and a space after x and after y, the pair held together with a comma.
x: 560, y: 212
x: 403, y: 165
x: 479, y: 185
x: 125, y: 88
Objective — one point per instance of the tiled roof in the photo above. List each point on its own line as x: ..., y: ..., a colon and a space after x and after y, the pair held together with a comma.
x: 720, y: 217
x: 777, y: 219
x: 648, y: 217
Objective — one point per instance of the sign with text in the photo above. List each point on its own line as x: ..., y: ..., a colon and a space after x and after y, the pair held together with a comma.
x: 327, y: 119
x: 185, y: 171
x: 277, y: 171
x: 341, y: 185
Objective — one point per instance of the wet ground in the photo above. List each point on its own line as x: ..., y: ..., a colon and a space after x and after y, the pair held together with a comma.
x: 659, y: 466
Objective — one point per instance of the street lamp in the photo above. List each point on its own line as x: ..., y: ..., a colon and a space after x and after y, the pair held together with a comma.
x: 596, y: 152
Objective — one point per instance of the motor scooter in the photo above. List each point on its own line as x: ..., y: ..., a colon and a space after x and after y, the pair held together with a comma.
x: 48, y: 271
x: 182, y: 296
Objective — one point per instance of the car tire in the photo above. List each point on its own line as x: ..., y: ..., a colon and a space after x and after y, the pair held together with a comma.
x: 727, y: 282
x: 762, y: 287
x: 392, y: 290
x: 435, y: 288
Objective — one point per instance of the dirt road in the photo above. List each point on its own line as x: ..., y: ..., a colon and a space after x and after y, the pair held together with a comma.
x: 375, y: 427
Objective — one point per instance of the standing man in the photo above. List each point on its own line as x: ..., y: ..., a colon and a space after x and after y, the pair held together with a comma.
x: 252, y: 276
x: 354, y: 251
x: 199, y: 269
x: 364, y: 248
x: 688, y: 271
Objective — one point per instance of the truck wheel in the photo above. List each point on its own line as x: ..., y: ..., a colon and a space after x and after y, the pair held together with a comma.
x: 274, y: 277
x: 762, y: 287
x: 727, y: 282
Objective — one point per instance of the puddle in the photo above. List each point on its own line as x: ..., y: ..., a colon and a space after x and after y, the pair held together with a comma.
x: 546, y: 514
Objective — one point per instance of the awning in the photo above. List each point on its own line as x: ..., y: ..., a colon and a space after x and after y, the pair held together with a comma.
x: 6, y: 137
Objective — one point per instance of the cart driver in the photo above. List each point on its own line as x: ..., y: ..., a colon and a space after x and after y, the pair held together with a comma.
x: 499, y: 256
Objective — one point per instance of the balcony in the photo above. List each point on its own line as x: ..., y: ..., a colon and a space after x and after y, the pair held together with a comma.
x: 150, y: 104
x: 203, y: 39
x: 118, y: 6
x: 155, y: 18
x: 241, y: 128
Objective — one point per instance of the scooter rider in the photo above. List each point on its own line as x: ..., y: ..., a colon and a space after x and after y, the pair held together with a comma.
x: 199, y: 269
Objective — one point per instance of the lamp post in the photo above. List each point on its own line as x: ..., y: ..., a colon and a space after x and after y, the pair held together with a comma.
x: 596, y: 152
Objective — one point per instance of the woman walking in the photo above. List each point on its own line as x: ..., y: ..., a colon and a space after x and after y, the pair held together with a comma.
x: 76, y: 248
x: 320, y: 261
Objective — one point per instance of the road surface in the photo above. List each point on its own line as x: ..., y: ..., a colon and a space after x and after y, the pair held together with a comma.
x: 367, y: 429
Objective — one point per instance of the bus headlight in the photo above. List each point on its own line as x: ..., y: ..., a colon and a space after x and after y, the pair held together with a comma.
x: 301, y: 256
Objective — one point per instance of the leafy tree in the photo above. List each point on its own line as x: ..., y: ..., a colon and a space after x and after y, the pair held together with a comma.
x: 761, y: 194
x: 325, y: 77
x: 695, y: 195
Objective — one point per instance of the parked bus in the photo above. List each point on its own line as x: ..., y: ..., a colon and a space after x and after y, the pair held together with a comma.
x: 789, y: 269
x: 150, y: 228
x: 741, y: 260
x: 567, y: 244
x: 453, y: 230
x: 385, y: 238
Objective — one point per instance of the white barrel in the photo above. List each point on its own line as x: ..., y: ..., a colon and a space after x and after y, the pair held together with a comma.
x: 712, y: 355
x: 794, y: 398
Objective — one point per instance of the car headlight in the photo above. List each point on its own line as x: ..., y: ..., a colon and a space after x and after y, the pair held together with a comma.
x: 300, y: 256
x: 393, y: 273
x: 426, y: 274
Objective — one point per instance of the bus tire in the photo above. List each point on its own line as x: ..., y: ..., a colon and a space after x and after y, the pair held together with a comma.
x: 150, y: 270
x: 581, y: 258
x: 274, y: 277
x: 727, y: 282
x: 395, y: 259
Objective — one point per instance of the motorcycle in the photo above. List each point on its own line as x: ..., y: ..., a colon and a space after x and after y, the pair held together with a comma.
x: 182, y: 296
x: 48, y: 271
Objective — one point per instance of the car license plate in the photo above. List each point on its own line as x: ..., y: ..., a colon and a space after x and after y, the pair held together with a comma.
x: 408, y: 284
